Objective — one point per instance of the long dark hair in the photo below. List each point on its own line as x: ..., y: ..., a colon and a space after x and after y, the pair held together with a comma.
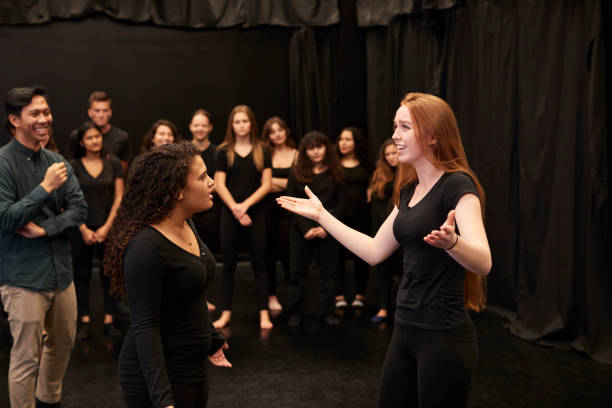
x: 361, y: 146
x: 151, y: 193
x: 147, y: 140
x: 267, y: 128
x: 302, y: 171
x: 79, y: 150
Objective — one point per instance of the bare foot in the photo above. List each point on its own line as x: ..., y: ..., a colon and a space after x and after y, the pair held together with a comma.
x: 210, y: 306
x: 224, y: 320
x: 273, y: 304
x: 264, y: 320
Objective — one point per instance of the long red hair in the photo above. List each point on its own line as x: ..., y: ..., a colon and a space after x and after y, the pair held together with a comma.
x: 431, y: 116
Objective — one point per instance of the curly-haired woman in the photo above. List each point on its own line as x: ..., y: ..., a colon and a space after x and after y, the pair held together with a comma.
x: 155, y: 255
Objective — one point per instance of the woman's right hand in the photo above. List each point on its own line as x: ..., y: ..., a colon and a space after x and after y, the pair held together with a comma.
x: 89, y: 236
x: 310, y: 207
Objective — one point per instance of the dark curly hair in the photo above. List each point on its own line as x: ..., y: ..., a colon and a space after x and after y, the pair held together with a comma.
x: 147, y: 139
x: 302, y: 171
x: 151, y: 193
x: 361, y: 146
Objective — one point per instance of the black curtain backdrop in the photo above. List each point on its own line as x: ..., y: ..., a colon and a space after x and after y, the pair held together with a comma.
x: 527, y: 81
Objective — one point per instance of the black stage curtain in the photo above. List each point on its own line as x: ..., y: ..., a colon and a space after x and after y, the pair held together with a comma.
x: 177, y: 13
x: 527, y: 81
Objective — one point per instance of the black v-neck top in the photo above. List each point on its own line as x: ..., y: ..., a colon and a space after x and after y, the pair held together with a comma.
x: 430, y: 294
x: 242, y: 177
x: 170, y: 336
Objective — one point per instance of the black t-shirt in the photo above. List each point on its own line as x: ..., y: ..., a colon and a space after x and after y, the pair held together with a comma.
x: 331, y: 194
x: 356, y: 180
x: 99, y: 192
x: 170, y: 335
x: 116, y: 141
x: 208, y: 155
x: 242, y: 177
x: 430, y: 294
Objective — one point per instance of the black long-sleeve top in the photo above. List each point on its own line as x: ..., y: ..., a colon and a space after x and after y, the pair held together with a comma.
x: 331, y: 194
x: 170, y: 336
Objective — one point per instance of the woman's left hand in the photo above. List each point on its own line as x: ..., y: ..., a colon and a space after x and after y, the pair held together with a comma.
x: 446, y: 236
x: 218, y: 359
x: 101, y: 233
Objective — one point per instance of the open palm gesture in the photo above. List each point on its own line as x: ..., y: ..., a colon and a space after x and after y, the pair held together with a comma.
x: 310, y: 207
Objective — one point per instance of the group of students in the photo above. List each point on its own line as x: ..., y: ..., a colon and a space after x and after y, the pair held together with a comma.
x: 425, y: 200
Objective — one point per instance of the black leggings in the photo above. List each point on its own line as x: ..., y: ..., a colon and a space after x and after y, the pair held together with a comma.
x: 231, y: 233
x: 278, y: 224
x: 428, y: 368
x: 185, y: 395
x: 82, y: 256
x: 362, y: 270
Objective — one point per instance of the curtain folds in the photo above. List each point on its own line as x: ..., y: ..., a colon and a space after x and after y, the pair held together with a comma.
x: 527, y: 83
x: 178, y: 13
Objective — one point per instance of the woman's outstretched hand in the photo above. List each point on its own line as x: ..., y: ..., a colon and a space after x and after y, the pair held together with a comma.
x: 310, y: 207
x: 219, y: 359
x: 446, y: 236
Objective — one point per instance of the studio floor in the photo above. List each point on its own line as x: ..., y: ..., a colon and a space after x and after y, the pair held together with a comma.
x: 318, y: 367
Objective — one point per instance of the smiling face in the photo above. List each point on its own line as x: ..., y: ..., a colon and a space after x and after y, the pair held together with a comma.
x: 92, y: 141
x: 346, y: 143
x: 316, y: 154
x: 241, y: 125
x: 197, y: 195
x: 277, y: 135
x: 33, y: 123
x: 200, y: 127
x: 163, y: 136
x: 405, y: 138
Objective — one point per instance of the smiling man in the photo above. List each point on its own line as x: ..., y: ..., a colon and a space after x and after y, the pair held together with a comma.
x: 40, y: 199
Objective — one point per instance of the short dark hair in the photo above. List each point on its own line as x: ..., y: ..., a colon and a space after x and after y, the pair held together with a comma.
x: 18, y: 98
x: 99, y: 96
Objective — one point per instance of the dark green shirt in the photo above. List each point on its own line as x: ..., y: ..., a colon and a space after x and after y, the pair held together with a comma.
x: 45, y: 263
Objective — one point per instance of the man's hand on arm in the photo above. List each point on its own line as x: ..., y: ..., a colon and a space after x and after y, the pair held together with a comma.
x: 55, y: 177
x: 31, y: 230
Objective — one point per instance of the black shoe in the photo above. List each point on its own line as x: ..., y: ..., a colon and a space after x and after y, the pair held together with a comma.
x: 111, y: 331
x: 40, y: 404
x: 295, y: 320
x: 330, y: 320
x: 85, y: 331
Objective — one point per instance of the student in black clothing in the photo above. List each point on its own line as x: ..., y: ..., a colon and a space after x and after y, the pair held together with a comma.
x: 352, y: 149
x: 162, y: 132
x: 438, y: 222
x: 243, y: 180
x: 101, y: 178
x: 276, y: 134
x: 155, y: 255
x: 380, y: 197
x: 206, y: 222
x: 319, y: 167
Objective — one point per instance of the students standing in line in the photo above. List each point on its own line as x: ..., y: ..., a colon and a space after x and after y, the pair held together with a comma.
x: 380, y: 196
x: 101, y: 178
x: 438, y: 222
x: 276, y: 134
x: 243, y: 177
x: 206, y: 222
x: 155, y: 255
x: 353, y: 151
x: 317, y: 166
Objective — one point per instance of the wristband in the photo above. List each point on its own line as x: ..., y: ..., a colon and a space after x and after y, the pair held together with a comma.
x: 455, y: 243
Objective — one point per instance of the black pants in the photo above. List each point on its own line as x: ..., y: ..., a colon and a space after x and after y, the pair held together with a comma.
x: 384, y: 278
x: 185, y: 395
x: 361, y: 268
x: 428, y: 368
x: 231, y: 233
x: 303, y: 251
x: 278, y: 223
x: 82, y: 256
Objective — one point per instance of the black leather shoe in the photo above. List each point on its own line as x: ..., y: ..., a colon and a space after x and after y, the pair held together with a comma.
x: 295, y: 320
x: 111, y: 330
x: 84, y: 332
x: 40, y: 404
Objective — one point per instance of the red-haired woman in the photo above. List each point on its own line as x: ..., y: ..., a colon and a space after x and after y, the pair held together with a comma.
x: 380, y: 196
x: 275, y: 133
x: 243, y: 177
x: 319, y: 167
x: 438, y: 222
